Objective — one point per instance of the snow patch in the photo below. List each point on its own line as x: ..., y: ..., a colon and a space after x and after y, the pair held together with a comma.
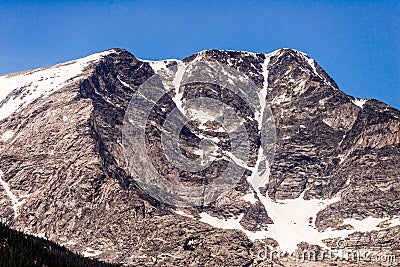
x: 262, y: 95
x: 232, y: 224
x: 237, y: 161
x: 200, y: 115
x: 40, y: 235
x: 365, y: 225
x: 7, y: 135
x: 182, y: 213
x: 14, y: 199
x: 341, y: 141
x: 158, y: 65
x: 257, y: 178
x: 359, y: 102
x: 89, y: 252
x: 42, y: 82
x: 250, y: 198
x: 68, y: 243
x: 342, y: 159
x: 294, y: 220
x: 327, y: 122
x: 311, y: 63
x: 281, y: 99
x: 177, y: 83
x: 394, y: 222
x: 124, y: 83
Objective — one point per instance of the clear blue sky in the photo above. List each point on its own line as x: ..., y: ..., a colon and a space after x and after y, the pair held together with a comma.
x: 357, y: 43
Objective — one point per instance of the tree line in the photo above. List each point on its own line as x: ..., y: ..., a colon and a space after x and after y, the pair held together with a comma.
x: 19, y: 250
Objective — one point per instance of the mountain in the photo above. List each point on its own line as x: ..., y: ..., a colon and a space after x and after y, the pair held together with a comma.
x: 320, y: 170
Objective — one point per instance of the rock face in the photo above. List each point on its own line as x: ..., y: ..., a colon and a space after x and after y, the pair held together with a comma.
x: 65, y: 177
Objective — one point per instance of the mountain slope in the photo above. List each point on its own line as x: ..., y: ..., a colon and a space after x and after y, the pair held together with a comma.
x: 17, y: 249
x: 65, y: 177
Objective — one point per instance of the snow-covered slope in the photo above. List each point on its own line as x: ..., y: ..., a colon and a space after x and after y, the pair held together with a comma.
x: 19, y: 89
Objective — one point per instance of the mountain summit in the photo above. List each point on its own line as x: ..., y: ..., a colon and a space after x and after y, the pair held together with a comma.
x: 64, y: 175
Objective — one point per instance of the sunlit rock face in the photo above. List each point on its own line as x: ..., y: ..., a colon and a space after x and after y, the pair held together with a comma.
x: 64, y: 175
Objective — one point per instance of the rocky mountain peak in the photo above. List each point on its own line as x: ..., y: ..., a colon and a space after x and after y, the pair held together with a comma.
x: 64, y: 174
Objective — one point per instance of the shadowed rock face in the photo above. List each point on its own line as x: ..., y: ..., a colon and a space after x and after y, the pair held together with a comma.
x: 69, y: 180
